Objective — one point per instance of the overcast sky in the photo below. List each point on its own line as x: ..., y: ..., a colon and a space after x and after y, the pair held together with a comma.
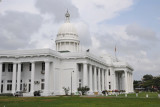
x: 132, y: 25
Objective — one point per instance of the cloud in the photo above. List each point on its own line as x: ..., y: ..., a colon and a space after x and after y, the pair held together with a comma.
x: 16, y: 29
x: 141, y: 33
x: 57, y: 8
x: 135, y: 44
x: 94, y: 11
x: 84, y: 34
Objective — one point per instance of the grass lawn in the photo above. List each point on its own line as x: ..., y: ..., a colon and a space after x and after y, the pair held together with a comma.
x: 79, y: 102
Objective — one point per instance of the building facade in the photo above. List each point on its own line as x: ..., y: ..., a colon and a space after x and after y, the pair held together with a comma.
x: 51, y: 70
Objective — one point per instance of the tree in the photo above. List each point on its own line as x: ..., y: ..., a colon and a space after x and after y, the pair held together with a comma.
x: 137, y: 84
x: 83, y: 89
x: 156, y: 82
x: 147, y: 77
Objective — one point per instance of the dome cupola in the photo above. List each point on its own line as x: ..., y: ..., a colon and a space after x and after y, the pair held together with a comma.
x: 67, y: 37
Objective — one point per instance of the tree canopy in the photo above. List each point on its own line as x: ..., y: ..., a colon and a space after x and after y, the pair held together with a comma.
x: 148, y: 82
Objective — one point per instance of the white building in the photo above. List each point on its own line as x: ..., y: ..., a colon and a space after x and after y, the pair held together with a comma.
x: 49, y: 70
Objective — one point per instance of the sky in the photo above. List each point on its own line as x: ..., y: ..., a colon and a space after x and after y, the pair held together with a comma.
x: 130, y: 25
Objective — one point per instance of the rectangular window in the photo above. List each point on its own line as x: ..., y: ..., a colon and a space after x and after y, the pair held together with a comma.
x: 9, y: 87
x: 29, y: 87
x: 9, y: 81
x: 42, y: 86
x: 79, y: 84
x: 43, y: 66
x: 3, y: 67
x: 79, y: 67
x: 30, y: 66
x: 109, y: 86
x: 10, y: 67
x: 21, y: 67
x: 79, y: 80
x: 21, y: 87
x: 109, y: 72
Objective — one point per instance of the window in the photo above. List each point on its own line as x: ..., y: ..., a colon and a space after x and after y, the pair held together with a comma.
x: 42, y: 80
x: 109, y: 86
x: 30, y: 66
x: 9, y: 87
x: 29, y: 87
x: 10, y: 67
x: 21, y: 67
x: 79, y: 67
x: 3, y: 67
x: 79, y: 84
x: 9, y: 81
x: 42, y: 86
x: 43, y: 66
x: 79, y: 80
x: 109, y: 72
x: 21, y: 87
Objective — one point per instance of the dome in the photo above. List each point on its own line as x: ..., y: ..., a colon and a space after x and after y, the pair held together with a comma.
x: 67, y: 38
x: 67, y: 27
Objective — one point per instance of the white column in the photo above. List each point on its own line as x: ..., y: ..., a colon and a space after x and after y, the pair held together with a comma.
x: 99, y: 82
x: 69, y: 46
x: 0, y: 75
x: 107, y: 80
x: 60, y: 47
x: 90, y: 78
x: 14, y: 78
x: 78, y: 47
x: 95, y: 79
x: 85, y: 75
x: 102, y: 79
x: 46, y: 77
x: 32, y: 77
x: 75, y: 47
x: 56, y: 46
x: 19, y: 76
x: 126, y: 82
x: 132, y: 81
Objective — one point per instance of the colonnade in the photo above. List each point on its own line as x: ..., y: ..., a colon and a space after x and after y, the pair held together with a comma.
x: 128, y: 81
x: 97, y: 77
x: 16, y: 76
x: 74, y: 46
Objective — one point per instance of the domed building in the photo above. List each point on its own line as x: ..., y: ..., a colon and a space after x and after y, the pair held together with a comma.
x: 67, y: 37
x: 50, y: 71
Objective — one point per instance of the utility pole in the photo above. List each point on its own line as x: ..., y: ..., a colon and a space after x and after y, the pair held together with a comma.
x: 71, y: 83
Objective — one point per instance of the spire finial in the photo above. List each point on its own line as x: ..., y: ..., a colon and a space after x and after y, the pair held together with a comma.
x: 67, y: 16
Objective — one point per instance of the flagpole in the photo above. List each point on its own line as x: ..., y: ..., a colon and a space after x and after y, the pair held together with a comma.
x: 115, y: 52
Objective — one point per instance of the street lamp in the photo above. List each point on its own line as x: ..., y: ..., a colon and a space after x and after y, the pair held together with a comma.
x: 71, y: 83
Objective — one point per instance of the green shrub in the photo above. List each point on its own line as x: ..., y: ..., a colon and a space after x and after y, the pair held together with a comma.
x: 83, y: 89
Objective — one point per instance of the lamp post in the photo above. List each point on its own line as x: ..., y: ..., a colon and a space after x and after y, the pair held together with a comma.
x: 71, y: 83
